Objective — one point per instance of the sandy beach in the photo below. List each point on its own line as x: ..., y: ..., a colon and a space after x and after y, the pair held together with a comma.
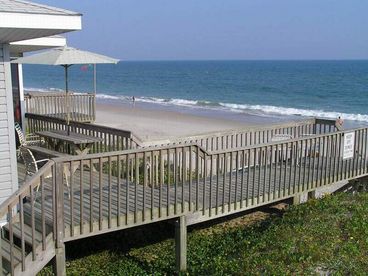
x: 152, y: 122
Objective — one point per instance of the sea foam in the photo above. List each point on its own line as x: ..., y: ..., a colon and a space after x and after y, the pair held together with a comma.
x: 244, y: 108
x: 260, y: 110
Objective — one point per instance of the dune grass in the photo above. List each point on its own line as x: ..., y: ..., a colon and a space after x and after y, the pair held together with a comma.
x: 322, y: 236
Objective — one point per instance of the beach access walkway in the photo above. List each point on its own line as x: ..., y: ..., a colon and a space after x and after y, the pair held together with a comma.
x: 186, y: 181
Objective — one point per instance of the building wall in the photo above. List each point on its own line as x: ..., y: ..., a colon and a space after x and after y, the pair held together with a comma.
x: 8, y: 162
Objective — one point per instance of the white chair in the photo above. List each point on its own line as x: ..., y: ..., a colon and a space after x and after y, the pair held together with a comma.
x: 26, y: 140
x: 31, y: 164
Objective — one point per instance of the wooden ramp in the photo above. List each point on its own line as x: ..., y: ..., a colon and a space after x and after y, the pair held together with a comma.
x: 75, y: 197
x: 110, y: 203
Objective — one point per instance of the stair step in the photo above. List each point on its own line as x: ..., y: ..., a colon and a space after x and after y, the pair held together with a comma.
x: 27, y: 230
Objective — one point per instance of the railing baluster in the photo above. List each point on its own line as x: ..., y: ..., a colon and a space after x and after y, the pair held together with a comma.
x: 183, y: 181
x: 136, y: 161
x: 259, y: 163
x: 11, y: 239
x: 230, y: 179
x: 295, y: 165
x: 175, y: 174
x: 305, y: 163
x: 224, y: 182
x: 22, y: 243
x: 281, y: 186
x: 118, y: 184
x: 153, y: 171
x: 285, y: 167
x: 217, y: 182
x: 365, y: 139
x: 265, y: 190
x: 169, y: 183
x: 322, y: 162
x: 190, y: 176
x: 300, y: 160
x: 248, y: 178
x: 236, y: 179
x: 242, y: 179
x: 91, y: 209
x: 33, y: 224
x: 210, y: 195
x: 277, y: 157
x: 81, y: 179
x: 204, y: 183
x: 43, y: 220
x: 100, y: 198
x: 127, y: 190
x: 71, y: 197
x: 162, y: 180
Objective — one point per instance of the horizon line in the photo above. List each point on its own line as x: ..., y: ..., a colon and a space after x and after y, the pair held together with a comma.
x: 326, y: 59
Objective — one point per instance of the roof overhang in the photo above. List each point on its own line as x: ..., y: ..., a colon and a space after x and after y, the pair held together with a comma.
x: 15, y: 26
x: 36, y: 44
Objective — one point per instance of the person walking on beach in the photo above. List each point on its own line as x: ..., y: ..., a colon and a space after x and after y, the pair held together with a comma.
x: 133, y: 100
x: 339, y: 123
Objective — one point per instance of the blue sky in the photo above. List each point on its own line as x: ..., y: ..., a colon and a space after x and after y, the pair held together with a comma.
x: 221, y: 29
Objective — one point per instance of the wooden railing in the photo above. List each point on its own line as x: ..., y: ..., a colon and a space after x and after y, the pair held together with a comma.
x: 133, y: 187
x: 113, y: 139
x: 74, y: 197
x: 82, y: 106
x: 232, y: 139
x: 28, y: 231
x: 116, y: 139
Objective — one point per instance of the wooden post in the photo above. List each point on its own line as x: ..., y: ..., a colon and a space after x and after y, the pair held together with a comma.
x: 312, y: 194
x: 300, y: 198
x: 59, y: 259
x: 181, y: 243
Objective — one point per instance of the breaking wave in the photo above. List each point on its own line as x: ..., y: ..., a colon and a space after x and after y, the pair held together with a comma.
x: 261, y: 110
x: 243, y: 108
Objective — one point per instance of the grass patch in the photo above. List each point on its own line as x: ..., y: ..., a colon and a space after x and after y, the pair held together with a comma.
x: 322, y: 236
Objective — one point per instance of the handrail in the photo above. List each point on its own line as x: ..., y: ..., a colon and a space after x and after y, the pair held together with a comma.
x: 167, y: 181
x: 251, y: 128
x: 28, y: 231
x: 212, y: 141
x: 175, y: 146
x: 250, y: 135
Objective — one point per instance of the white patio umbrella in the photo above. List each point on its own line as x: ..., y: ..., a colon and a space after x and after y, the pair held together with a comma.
x: 66, y: 57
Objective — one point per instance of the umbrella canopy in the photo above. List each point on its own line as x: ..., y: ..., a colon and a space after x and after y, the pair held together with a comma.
x: 67, y: 56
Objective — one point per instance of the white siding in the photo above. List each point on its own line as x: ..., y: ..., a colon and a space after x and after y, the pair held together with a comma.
x: 8, y: 165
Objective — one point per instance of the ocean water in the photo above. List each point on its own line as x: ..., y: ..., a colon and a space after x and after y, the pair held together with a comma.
x: 282, y: 88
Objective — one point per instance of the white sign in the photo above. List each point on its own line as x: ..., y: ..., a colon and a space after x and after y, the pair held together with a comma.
x: 348, y: 150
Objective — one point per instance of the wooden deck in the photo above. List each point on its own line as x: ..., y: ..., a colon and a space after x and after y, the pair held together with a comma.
x: 73, y: 197
x: 118, y: 203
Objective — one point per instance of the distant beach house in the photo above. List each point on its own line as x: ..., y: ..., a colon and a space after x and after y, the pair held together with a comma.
x: 24, y: 27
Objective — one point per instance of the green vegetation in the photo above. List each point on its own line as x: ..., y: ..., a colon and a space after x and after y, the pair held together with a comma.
x: 322, y: 236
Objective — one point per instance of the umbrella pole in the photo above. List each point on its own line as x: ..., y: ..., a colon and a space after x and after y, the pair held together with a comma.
x: 94, y: 91
x: 94, y: 79
x: 67, y: 99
